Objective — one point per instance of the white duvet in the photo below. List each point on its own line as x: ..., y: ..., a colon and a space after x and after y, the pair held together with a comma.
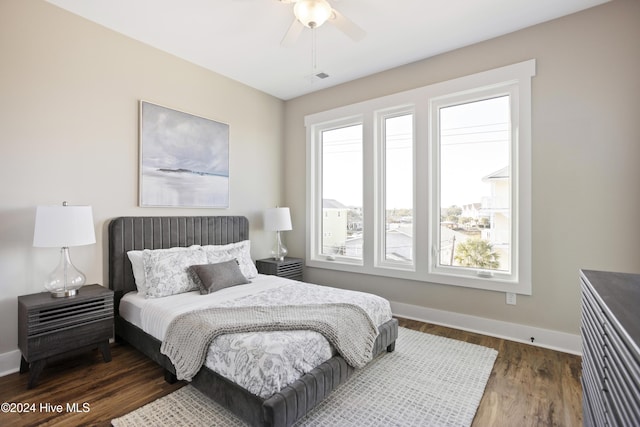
x: 261, y: 362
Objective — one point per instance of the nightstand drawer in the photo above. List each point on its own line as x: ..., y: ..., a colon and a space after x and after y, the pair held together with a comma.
x: 291, y: 268
x: 60, y: 341
x: 46, y: 320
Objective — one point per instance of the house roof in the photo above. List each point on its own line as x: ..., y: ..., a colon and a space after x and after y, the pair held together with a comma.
x: 499, y: 174
x: 332, y: 204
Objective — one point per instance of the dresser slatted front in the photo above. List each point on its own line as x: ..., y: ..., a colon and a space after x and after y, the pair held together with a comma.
x: 610, y: 329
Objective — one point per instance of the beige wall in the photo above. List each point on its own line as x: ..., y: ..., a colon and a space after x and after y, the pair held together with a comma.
x: 586, y: 160
x: 69, y: 92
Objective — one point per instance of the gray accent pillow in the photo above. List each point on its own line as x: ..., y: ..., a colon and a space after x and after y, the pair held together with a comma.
x: 213, y: 277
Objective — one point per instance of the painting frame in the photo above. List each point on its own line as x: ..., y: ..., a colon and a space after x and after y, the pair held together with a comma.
x: 184, y: 159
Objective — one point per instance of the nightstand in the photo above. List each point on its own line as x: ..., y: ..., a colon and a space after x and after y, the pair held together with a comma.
x: 291, y: 268
x: 49, y: 327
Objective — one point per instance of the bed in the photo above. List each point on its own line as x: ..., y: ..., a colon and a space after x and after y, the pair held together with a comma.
x: 282, y: 408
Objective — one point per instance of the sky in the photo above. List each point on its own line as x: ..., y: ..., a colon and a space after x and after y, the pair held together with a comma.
x: 474, y: 144
x: 172, y: 139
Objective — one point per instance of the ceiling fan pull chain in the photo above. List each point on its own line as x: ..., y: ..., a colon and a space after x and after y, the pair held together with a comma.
x: 314, y: 51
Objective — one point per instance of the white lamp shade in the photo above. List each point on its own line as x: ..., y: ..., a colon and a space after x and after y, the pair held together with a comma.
x: 277, y: 219
x: 63, y: 226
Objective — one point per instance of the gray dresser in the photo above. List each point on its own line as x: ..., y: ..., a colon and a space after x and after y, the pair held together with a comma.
x: 610, y: 348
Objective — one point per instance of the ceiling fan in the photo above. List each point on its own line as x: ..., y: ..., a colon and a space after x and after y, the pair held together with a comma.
x: 312, y: 14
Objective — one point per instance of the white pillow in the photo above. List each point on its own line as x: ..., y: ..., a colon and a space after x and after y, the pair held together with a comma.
x: 240, y: 251
x: 137, y: 265
x: 166, y: 270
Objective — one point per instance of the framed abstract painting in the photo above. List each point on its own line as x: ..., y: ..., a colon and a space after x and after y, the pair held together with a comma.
x: 184, y: 159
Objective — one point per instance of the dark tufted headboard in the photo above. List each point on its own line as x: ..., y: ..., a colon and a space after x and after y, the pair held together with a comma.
x: 162, y: 232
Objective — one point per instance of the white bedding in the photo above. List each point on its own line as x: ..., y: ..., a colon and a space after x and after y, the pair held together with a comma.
x: 261, y: 362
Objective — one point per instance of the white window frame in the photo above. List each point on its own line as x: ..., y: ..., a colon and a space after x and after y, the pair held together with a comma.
x: 380, y: 176
x: 314, y: 197
x: 515, y: 78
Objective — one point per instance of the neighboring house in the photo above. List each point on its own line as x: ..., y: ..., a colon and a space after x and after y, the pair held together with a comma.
x: 497, y: 208
x: 343, y: 237
x: 399, y: 242
x: 471, y: 210
x: 334, y: 226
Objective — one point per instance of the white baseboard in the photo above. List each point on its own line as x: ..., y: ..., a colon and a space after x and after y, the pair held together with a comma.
x: 9, y: 362
x: 554, y: 340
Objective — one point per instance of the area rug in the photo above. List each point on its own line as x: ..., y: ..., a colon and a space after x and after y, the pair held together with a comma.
x: 427, y: 381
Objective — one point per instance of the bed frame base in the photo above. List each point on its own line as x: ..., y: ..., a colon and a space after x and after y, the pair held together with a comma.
x: 283, y: 408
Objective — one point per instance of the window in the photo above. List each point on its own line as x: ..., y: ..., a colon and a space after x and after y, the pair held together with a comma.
x: 396, y: 155
x: 474, y: 182
x: 432, y: 184
x: 342, y: 191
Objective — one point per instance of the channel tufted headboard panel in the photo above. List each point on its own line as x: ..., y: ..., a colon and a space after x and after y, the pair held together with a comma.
x: 162, y: 232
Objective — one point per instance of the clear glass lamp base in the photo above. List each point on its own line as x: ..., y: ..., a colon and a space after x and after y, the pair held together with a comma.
x: 66, y: 279
x: 279, y: 251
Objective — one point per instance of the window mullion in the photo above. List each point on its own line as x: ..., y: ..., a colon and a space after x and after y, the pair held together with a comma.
x: 369, y: 190
x: 422, y: 180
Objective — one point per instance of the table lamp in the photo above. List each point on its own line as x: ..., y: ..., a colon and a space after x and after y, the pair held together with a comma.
x: 278, y: 219
x: 64, y: 226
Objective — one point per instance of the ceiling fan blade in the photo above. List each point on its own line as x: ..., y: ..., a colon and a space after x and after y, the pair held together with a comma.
x: 347, y: 26
x: 292, y: 34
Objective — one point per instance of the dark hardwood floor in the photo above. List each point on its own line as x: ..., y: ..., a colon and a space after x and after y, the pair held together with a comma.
x: 529, y: 386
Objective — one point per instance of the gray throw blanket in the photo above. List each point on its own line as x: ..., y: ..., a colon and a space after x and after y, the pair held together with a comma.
x: 346, y: 326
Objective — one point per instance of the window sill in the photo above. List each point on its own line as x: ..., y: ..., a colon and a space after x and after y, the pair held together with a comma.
x: 489, y: 284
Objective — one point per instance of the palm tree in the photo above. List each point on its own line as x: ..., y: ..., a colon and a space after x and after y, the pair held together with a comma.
x: 476, y: 253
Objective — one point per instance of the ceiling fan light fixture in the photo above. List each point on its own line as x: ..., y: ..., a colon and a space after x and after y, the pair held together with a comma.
x: 312, y: 13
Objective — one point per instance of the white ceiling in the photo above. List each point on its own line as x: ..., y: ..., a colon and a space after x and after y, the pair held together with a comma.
x: 240, y: 39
